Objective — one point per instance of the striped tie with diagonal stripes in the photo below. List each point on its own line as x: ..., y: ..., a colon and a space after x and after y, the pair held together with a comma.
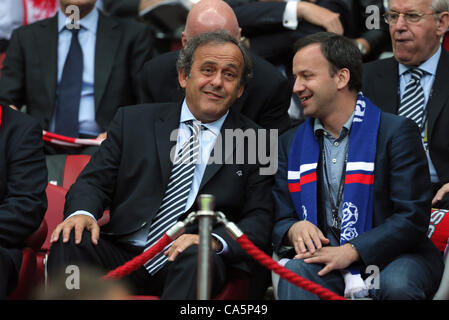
x: 412, y: 103
x: 176, y: 195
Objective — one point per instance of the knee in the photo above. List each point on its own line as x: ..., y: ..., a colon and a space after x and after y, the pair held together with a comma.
x: 400, y: 287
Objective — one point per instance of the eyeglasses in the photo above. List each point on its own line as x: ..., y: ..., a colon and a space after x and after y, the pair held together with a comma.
x: 410, y: 17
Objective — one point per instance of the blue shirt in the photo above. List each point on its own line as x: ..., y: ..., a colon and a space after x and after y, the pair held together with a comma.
x: 430, y: 69
x: 87, y: 38
x: 11, y: 17
x: 335, y: 150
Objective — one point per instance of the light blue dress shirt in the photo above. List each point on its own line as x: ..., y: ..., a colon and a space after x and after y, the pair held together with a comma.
x: 207, y: 138
x: 430, y: 68
x: 87, y: 38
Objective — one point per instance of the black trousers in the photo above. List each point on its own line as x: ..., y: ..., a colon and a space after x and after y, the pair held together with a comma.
x: 176, y: 280
x: 10, y: 262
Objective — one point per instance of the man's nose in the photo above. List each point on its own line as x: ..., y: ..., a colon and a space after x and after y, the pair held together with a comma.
x: 217, y: 80
x: 298, y: 86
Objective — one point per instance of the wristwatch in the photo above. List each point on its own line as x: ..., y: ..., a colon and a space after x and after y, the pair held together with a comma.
x: 361, y: 47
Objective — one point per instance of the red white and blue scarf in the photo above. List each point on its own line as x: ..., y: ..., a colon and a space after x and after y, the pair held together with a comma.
x: 359, y: 179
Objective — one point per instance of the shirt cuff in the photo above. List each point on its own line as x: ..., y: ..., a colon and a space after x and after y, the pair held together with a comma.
x: 290, y: 18
x: 225, y: 250
x: 81, y: 212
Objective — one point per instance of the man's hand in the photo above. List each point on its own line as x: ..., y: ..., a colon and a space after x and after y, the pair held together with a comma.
x: 102, y: 136
x: 306, y: 236
x: 320, y: 16
x: 13, y: 107
x: 334, y: 258
x: 185, y: 241
x: 79, y: 223
x: 440, y: 194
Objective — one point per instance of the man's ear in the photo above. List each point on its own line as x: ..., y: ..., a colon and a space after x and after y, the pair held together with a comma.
x: 182, y: 78
x: 443, y: 23
x: 342, y: 78
x: 241, y: 89
x: 183, y: 38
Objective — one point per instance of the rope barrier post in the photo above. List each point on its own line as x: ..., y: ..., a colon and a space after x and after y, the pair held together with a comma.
x: 205, y: 216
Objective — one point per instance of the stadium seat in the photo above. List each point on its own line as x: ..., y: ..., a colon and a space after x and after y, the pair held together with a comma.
x: 28, y: 277
x: 74, y: 164
x: 446, y: 41
x: 439, y: 234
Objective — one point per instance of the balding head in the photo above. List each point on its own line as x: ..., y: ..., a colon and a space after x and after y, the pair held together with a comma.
x: 208, y: 16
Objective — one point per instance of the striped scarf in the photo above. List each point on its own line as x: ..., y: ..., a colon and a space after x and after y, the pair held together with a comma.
x: 359, y: 179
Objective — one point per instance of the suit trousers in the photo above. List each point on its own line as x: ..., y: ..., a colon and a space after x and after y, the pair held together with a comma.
x: 10, y: 263
x: 408, y: 277
x: 176, y: 280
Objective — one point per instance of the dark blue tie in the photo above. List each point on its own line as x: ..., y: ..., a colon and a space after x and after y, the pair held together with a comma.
x: 69, y: 90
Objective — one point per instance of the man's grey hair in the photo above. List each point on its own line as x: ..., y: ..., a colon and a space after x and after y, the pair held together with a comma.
x: 185, y: 58
x: 439, y: 6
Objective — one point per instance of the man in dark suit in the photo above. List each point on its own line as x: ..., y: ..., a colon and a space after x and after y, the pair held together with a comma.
x: 265, y: 100
x: 416, y: 44
x: 23, y: 179
x: 132, y: 174
x: 368, y: 180
x: 113, y: 51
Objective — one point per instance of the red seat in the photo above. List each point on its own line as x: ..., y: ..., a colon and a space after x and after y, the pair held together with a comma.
x: 28, y: 270
x: 74, y: 164
x: 446, y: 41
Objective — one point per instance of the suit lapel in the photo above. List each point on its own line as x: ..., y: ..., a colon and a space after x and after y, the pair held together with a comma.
x: 439, y: 93
x: 232, y: 122
x: 48, y: 56
x: 108, y: 39
x: 163, y: 129
x: 389, y: 78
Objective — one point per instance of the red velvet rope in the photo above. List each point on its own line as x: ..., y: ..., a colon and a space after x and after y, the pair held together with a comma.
x: 140, y: 260
x: 248, y: 246
x: 292, y: 277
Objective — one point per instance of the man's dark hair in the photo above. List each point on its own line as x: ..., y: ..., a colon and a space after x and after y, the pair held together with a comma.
x: 340, y: 52
x: 185, y: 58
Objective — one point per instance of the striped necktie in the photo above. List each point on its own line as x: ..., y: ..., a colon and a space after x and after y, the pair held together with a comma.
x: 176, y: 195
x: 412, y: 103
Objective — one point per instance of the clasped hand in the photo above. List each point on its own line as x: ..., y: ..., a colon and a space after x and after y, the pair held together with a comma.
x: 311, y: 245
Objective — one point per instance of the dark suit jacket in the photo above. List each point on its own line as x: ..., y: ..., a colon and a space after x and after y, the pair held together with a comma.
x: 402, y: 196
x: 265, y: 100
x: 30, y: 69
x: 261, y: 22
x: 130, y: 173
x: 23, y: 177
x: 381, y: 85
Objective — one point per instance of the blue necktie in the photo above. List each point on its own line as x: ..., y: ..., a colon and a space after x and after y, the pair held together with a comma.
x: 69, y: 90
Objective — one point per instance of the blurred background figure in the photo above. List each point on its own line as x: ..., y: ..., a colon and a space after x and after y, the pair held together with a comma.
x: 83, y: 283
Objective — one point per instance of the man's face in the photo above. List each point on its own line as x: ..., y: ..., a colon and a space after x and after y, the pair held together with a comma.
x: 414, y: 43
x: 314, y: 85
x: 214, y: 81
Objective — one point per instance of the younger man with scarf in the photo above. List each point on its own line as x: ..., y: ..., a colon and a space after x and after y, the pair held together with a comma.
x: 352, y: 190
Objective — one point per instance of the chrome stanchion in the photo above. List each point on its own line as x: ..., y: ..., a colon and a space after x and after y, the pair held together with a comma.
x: 205, y: 216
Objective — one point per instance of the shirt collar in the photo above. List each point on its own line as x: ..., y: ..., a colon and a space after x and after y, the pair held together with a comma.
x: 429, y: 66
x: 89, y: 22
x: 318, y: 126
x: 214, y: 126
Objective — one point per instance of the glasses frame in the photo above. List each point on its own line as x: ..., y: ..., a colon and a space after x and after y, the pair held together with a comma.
x: 421, y: 15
